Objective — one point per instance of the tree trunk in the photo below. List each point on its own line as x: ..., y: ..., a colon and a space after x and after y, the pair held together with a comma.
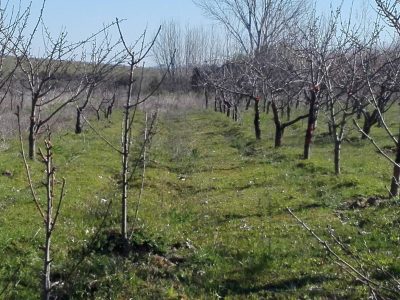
x: 330, y: 129
x: 124, y: 211
x: 257, y: 119
x: 125, y: 163
x: 369, y: 121
x: 47, y: 262
x: 338, y: 146
x: 311, y: 124
x: 366, y: 128
x: 98, y: 114
x: 228, y: 109
x: 47, y: 258
x: 108, y: 111
x: 22, y: 99
x: 32, y: 138
x: 248, y: 102
x: 268, y: 107
x: 206, y: 97
x: 288, y: 112
x: 78, y: 124
x: 278, y: 136
x: 278, y: 127
x: 49, y: 221
x: 235, y: 112
x: 264, y: 104
x: 394, y: 188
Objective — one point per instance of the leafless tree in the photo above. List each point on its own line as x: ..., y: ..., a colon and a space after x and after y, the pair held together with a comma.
x: 132, y: 102
x: 381, y: 77
x: 278, y: 70
x: 48, y: 212
x: 256, y: 23
x: 343, y: 80
x: 169, y: 48
x: 314, y: 53
x: 103, y: 60
x: 390, y: 11
x: 54, y: 80
x: 13, y: 24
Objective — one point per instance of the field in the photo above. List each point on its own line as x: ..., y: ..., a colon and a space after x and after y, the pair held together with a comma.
x: 213, y: 219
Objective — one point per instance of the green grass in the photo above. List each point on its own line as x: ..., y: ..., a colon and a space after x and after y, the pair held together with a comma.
x: 214, y: 205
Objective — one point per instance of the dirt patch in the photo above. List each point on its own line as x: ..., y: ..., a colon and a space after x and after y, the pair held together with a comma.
x: 364, y: 202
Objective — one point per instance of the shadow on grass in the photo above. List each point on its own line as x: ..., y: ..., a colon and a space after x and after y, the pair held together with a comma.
x: 240, y: 287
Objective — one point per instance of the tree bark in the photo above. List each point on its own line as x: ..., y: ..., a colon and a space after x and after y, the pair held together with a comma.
x: 32, y: 135
x: 268, y: 107
x: 278, y: 136
x: 278, y: 127
x: 338, y: 146
x: 264, y: 104
x: 394, y: 188
x: 125, y: 162
x: 248, y: 102
x: 78, y: 124
x: 48, y: 221
x: 369, y: 121
x: 257, y: 128
x: 228, y: 109
x: 288, y: 112
x: 235, y: 112
x: 206, y: 97
x: 311, y: 123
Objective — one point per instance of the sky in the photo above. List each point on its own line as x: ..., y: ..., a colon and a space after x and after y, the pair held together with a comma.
x: 81, y: 18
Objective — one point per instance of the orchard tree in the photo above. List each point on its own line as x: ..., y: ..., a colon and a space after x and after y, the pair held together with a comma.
x: 13, y: 24
x: 254, y: 24
x: 97, y: 68
x: 390, y: 12
x: 315, y: 55
x: 54, y: 80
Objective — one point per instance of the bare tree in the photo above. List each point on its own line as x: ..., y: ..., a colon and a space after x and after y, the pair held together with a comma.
x: 168, y: 50
x: 53, y: 80
x: 342, y: 79
x: 314, y: 53
x: 256, y: 23
x: 50, y: 211
x: 103, y: 60
x: 132, y: 102
x: 381, y: 77
x: 389, y: 11
x: 48, y: 79
x: 13, y: 24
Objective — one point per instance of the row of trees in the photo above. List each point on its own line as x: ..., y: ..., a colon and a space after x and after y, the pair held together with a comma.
x: 291, y: 58
x: 62, y: 74
x: 71, y: 74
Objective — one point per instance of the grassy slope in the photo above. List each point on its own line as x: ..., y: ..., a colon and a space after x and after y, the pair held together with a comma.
x: 214, y: 203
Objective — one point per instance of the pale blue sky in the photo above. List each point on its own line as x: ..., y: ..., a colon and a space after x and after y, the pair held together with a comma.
x: 82, y: 17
